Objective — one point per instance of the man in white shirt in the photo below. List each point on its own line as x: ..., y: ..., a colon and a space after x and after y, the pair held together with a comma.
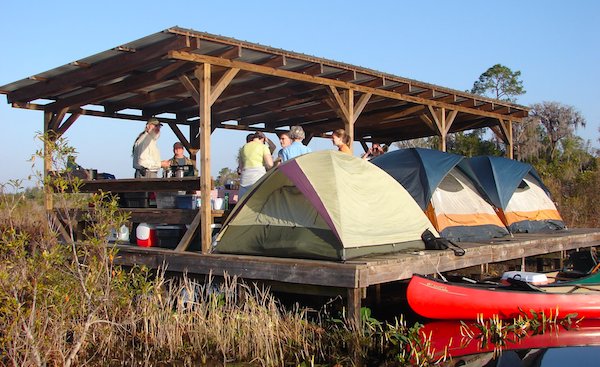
x: 146, y: 155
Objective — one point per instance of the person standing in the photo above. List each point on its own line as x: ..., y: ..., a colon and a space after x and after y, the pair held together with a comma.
x: 341, y: 140
x: 374, y: 151
x: 255, y: 159
x: 296, y: 148
x: 179, y: 159
x: 284, y: 141
x: 146, y: 155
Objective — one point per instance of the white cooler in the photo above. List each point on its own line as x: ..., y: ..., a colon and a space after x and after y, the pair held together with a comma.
x: 525, y: 276
x: 145, y: 235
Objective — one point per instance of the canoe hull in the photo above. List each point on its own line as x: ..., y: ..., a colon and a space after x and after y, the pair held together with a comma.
x: 435, y: 299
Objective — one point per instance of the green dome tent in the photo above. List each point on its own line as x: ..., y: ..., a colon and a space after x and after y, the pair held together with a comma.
x: 324, y: 205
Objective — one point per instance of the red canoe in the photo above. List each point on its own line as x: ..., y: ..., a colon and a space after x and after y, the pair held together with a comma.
x: 436, y: 299
x: 445, y: 338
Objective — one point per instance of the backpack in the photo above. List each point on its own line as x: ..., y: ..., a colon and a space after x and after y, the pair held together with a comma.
x: 439, y: 243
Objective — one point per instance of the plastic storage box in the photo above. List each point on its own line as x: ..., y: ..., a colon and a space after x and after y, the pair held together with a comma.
x: 134, y: 200
x: 169, y: 235
x: 186, y: 202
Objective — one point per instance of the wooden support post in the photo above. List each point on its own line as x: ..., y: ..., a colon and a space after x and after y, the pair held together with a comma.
x: 194, y: 142
x: 203, y: 73
x: 354, y: 305
x: 47, y: 161
x: 523, y: 264
x: 510, y: 146
x: 348, y: 111
x: 505, y: 132
x: 442, y: 117
x: 441, y: 123
x: 349, y: 125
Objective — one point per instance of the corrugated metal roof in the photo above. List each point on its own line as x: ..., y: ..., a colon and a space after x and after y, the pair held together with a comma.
x: 275, y: 87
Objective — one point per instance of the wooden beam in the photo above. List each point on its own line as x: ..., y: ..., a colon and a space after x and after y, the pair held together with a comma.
x: 404, y: 88
x: 191, y: 88
x: 194, y: 140
x: 313, y: 69
x: 376, y: 82
x: 103, y: 70
x: 347, y: 110
x: 425, y: 118
x: 57, y: 119
x: 186, y: 240
x: 400, y: 114
x: 180, y: 136
x: 234, y: 52
x: 274, y: 62
x: 341, y: 109
x: 450, y: 119
x: 86, y: 112
x: 111, y: 90
x: 220, y: 86
x: 188, y: 56
x: 436, y: 118
x: 203, y: 74
x: 67, y: 124
x: 439, y: 117
x: 360, y: 105
x: 346, y: 75
x: 505, y: 130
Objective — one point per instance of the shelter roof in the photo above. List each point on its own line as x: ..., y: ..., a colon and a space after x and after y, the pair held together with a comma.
x: 272, y: 90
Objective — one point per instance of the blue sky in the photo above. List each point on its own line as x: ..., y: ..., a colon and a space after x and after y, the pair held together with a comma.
x: 554, y: 44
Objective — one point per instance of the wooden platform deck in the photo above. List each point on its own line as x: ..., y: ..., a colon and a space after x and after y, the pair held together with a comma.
x: 352, y: 278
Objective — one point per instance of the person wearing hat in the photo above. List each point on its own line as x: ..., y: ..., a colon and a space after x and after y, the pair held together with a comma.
x: 145, y: 152
x: 255, y: 159
x: 296, y: 148
x: 179, y: 160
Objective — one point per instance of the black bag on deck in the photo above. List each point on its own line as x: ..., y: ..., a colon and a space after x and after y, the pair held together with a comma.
x: 439, y: 243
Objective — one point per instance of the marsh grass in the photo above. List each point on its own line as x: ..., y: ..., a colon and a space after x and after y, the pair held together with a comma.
x: 63, y: 302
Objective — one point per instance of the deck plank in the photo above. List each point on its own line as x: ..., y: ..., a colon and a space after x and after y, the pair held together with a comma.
x: 364, y: 271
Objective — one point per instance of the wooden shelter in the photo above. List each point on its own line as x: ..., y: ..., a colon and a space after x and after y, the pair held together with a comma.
x: 197, y: 82
x: 204, y: 82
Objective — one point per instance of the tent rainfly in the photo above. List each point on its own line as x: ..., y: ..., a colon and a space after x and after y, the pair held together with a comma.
x: 450, y: 199
x: 324, y: 205
x: 518, y: 192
